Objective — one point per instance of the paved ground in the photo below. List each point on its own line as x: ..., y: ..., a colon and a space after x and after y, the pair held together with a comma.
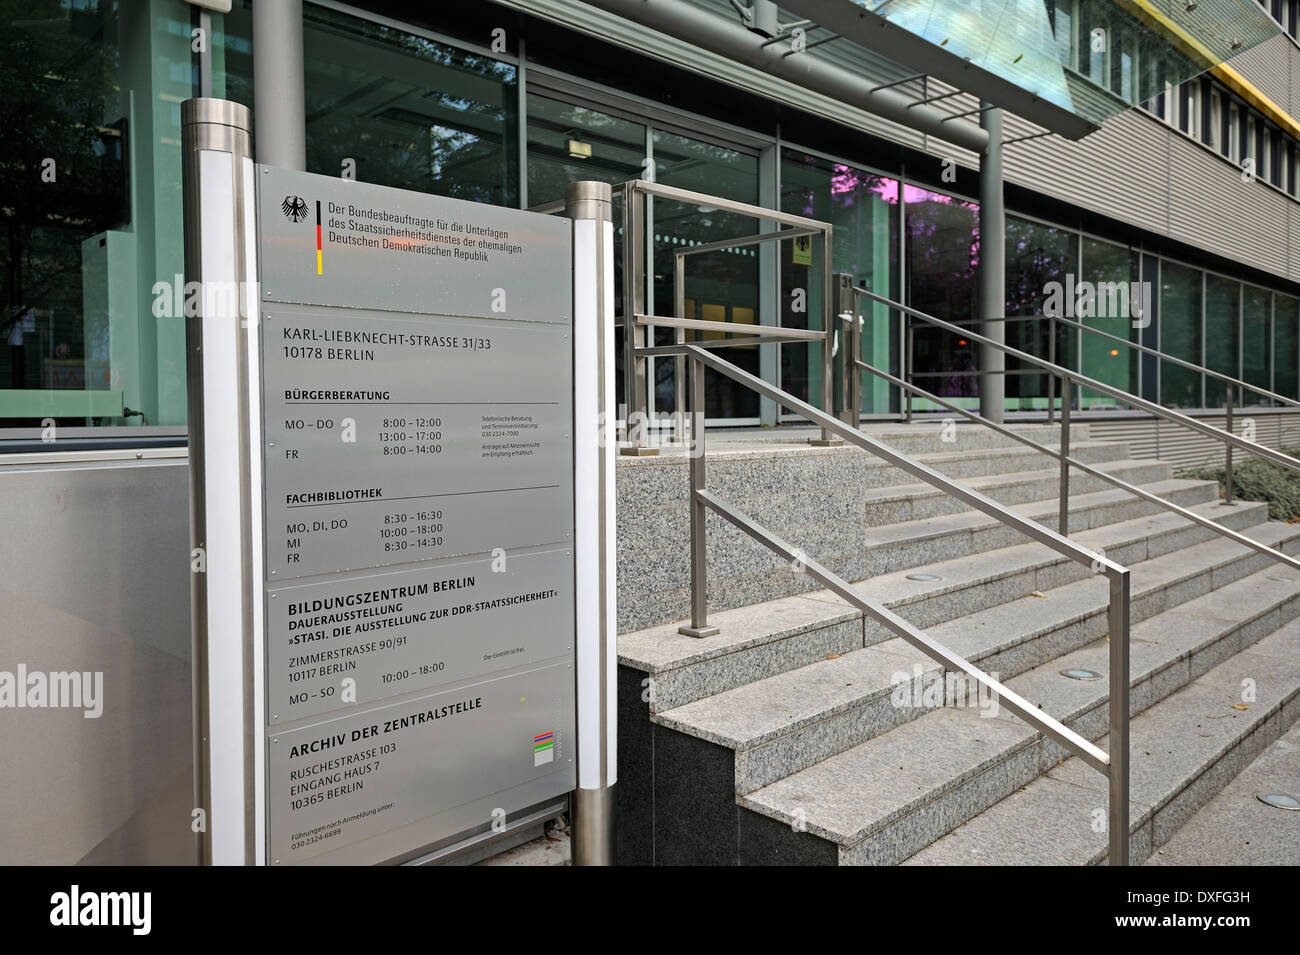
x: 1235, y: 828
x: 551, y: 849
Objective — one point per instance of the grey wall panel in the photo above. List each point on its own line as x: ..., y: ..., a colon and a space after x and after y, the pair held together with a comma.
x: 1154, y: 438
x: 97, y: 581
x: 1120, y: 170
x: 1212, y: 208
x: 1267, y: 67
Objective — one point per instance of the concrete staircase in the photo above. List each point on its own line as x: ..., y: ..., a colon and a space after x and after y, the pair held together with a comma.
x: 804, y: 734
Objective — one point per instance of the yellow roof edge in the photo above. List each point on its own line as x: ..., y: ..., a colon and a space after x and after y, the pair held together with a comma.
x: 1230, y: 77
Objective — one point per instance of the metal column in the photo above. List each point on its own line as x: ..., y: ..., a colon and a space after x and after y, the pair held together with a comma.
x: 992, y: 269
x: 278, y: 84
x: 217, y: 191
x: 590, y: 206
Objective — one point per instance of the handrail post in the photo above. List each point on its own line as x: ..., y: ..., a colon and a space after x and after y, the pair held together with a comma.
x: 848, y: 315
x: 829, y: 323
x: 699, y: 626
x: 909, y: 346
x: 1119, y: 717
x: 634, y: 366
x: 1064, y: 506
x: 1051, y: 357
x: 679, y: 363
x: 1227, y: 470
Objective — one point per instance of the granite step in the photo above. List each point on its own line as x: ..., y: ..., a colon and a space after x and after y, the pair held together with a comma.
x: 914, y: 439
x: 965, y: 464
x: 910, y: 502
x: 761, y: 640
x: 886, y: 800
x: 786, y: 723
x: 1235, y: 827
x: 1184, y: 751
x: 911, y: 544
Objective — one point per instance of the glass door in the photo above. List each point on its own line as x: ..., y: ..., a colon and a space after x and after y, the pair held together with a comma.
x: 721, y: 285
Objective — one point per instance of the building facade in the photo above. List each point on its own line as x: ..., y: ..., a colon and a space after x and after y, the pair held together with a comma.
x: 1188, y: 203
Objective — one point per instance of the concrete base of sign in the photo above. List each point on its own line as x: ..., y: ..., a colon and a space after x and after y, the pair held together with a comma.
x: 635, y: 451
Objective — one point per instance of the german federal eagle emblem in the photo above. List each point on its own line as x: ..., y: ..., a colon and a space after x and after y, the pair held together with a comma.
x: 294, y: 208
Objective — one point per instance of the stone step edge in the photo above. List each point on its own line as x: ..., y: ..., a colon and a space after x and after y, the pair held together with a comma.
x: 1030, y: 738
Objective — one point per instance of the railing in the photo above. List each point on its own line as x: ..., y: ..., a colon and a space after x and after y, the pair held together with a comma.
x: 636, y: 321
x: 1070, y: 379
x: 1113, y: 765
x: 701, y: 356
x: 1078, y: 380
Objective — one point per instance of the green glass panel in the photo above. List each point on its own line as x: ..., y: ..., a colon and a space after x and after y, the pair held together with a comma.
x: 1221, y: 310
x: 1107, y: 267
x: 1256, y: 304
x: 1180, y: 335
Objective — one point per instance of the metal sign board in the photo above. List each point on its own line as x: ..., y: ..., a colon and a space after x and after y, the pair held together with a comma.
x: 416, y: 377
x: 367, y: 786
x: 397, y: 439
x: 327, y: 241
x: 406, y: 630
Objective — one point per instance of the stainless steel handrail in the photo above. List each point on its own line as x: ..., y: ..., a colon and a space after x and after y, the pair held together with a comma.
x: 1113, y: 765
x: 1082, y: 380
x: 1145, y: 349
x: 1218, y: 528
x: 635, y: 319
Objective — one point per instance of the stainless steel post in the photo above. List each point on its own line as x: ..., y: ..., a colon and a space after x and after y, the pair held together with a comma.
x: 679, y: 363
x: 992, y: 269
x: 590, y: 206
x: 278, y: 84
x: 829, y: 323
x: 1051, y: 379
x: 699, y: 626
x: 1064, y: 506
x: 909, y: 348
x: 1119, y: 717
x: 215, y: 148
x: 1227, y: 470
x: 634, y: 367
x: 847, y: 319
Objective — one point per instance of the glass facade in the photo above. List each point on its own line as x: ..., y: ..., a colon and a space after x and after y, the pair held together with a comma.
x: 1108, y: 267
x: 941, y: 235
x: 1180, y: 335
x: 1040, y: 260
x: 90, y: 189
x: 863, y: 210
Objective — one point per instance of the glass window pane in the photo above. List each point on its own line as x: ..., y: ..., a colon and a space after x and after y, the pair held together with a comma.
x: 1286, y: 345
x: 408, y: 112
x: 1222, y: 297
x: 90, y: 187
x: 567, y: 143
x: 1180, y: 334
x: 1117, y: 302
x: 720, y: 285
x: 1040, y: 260
x: 1254, y: 340
x: 942, y: 249
x: 863, y: 209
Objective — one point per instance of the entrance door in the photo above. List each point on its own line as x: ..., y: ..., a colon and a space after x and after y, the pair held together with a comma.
x: 571, y: 139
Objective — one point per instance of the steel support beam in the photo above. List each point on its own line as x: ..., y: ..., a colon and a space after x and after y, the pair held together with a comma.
x: 280, y: 118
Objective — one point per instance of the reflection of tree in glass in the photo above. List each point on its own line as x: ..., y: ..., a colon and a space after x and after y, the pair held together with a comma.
x: 60, y: 103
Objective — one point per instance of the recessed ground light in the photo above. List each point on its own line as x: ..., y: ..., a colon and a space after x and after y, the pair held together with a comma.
x: 923, y: 577
x: 1077, y: 673
x: 1279, y: 800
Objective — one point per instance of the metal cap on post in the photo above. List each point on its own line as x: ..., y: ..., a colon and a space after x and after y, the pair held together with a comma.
x: 590, y: 206
x: 217, y: 187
